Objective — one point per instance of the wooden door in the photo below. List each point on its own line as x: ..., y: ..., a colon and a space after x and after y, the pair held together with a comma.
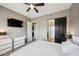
x: 60, y: 29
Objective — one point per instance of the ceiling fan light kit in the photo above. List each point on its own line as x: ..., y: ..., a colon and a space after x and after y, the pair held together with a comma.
x: 33, y: 6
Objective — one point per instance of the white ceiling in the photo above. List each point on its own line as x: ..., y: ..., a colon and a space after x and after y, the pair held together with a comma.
x: 43, y: 10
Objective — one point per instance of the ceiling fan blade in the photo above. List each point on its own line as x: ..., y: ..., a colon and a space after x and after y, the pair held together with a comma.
x: 36, y: 10
x: 39, y: 4
x: 28, y: 9
x: 27, y: 3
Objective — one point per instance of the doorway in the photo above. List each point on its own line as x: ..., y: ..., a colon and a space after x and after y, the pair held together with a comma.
x: 51, y: 30
x: 33, y: 31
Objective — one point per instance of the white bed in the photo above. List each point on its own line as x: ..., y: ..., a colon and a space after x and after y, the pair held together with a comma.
x: 39, y: 48
x: 75, y: 40
x: 74, y: 53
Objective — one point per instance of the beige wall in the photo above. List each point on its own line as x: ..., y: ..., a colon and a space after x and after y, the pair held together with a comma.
x: 74, y: 19
x: 41, y: 29
x: 12, y: 31
x: 41, y: 23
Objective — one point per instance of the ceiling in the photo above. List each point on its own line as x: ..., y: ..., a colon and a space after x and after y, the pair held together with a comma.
x: 43, y: 10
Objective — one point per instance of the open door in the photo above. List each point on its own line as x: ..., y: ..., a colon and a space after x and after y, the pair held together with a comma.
x: 33, y: 31
x: 29, y: 31
x: 51, y: 30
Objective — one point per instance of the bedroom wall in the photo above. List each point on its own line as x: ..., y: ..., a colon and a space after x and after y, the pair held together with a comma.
x: 74, y: 19
x: 12, y: 31
x: 41, y: 23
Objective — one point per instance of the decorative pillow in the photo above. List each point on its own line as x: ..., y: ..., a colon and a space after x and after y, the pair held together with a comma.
x: 75, y: 39
x: 68, y: 47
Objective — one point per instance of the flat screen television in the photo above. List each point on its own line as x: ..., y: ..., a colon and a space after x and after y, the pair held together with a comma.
x: 15, y: 23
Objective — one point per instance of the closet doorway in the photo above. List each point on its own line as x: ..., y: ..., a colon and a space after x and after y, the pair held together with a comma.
x: 51, y: 30
x: 57, y: 30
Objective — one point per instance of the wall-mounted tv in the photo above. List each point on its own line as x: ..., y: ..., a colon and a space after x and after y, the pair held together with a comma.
x: 14, y: 23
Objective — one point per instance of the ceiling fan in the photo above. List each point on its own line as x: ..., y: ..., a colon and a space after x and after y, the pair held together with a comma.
x: 33, y: 6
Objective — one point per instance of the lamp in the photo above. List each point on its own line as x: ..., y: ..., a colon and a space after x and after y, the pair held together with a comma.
x: 3, y: 33
x: 69, y: 36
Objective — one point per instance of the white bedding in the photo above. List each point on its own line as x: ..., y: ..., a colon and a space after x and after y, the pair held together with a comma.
x: 68, y: 47
x: 39, y: 48
x: 74, y: 53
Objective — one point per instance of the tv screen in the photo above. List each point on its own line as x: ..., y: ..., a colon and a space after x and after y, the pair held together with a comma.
x: 15, y: 23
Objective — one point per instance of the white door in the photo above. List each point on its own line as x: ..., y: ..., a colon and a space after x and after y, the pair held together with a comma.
x: 51, y: 30
x: 29, y: 31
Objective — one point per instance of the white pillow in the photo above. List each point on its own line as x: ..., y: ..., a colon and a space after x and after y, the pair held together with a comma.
x: 75, y: 39
x: 69, y: 47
